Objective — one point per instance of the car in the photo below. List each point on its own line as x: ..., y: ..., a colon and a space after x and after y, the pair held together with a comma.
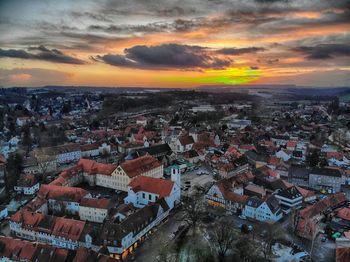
x: 245, y: 228
x: 242, y: 217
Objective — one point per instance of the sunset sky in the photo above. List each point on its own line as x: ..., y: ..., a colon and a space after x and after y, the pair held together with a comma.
x: 173, y: 43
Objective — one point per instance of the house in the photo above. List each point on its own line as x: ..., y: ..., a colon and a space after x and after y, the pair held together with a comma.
x: 108, y: 175
x: 191, y: 156
x: 253, y: 190
x: 162, y: 152
x: 290, y: 198
x: 238, y: 123
x: 225, y: 169
x: 56, y: 231
x: 298, y: 175
x: 27, y: 185
x: 94, y: 209
x: 310, y: 217
x: 328, y: 179
x: 121, y: 233
x: 67, y: 153
x: 280, y: 140
x: 223, y: 194
x: 23, y: 120
x: 258, y: 209
x: 3, y: 212
x: 291, y: 145
x: 284, y: 155
x: 344, y: 213
x: 141, y: 121
x: 63, y: 199
x: 21, y: 250
x: 144, y: 190
x: 90, y: 150
x: 342, y: 254
x: 143, y: 166
x: 255, y: 159
x: 184, y: 143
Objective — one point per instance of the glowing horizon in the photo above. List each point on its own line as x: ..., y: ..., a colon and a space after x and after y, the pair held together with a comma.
x: 168, y: 44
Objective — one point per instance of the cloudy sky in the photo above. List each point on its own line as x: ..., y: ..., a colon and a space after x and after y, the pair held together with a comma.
x: 174, y: 43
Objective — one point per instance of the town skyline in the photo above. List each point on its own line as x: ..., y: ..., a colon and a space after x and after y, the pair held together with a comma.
x: 174, y: 44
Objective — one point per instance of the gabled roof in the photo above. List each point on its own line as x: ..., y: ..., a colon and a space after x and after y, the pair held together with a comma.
x: 322, y: 205
x: 102, y: 203
x: 273, y: 204
x: 342, y: 254
x: 225, y: 187
x: 63, y: 193
x: 140, y: 165
x: 254, y: 202
x: 186, y: 140
x: 158, y: 186
x: 344, y: 213
x: 68, y: 228
x: 163, y: 149
x: 326, y: 172
x: 93, y: 167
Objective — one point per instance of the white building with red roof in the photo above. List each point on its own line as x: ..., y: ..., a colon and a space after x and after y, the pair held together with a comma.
x: 144, y: 190
x: 145, y: 165
x: 94, y: 209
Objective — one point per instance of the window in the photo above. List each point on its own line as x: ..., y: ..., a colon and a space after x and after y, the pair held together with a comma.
x: 143, y: 195
x: 150, y: 197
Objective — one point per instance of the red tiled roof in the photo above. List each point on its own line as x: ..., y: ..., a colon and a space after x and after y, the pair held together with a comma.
x: 157, y: 186
x: 292, y: 143
x: 27, y: 218
x: 335, y: 155
x: 305, y: 193
x: 247, y: 147
x: 233, y: 151
x: 225, y: 186
x: 26, y: 181
x: 344, y: 213
x: 186, y: 140
x: 322, y: 205
x: 89, y: 147
x: 226, y: 167
x: 73, y: 194
x: 273, y: 161
x: 68, y: 228
x: 93, y: 167
x: 140, y: 165
x: 102, y: 203
x: 342, y: 254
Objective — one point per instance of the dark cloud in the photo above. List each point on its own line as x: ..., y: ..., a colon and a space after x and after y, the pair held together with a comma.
x: 166, y: 56
x: 41, y: 53
x: 240, y: 51
x: 324, y: 51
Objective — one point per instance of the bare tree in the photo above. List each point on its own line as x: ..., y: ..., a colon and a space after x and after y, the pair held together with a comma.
x: 45, y: 163
x: 193, y: 212
x: 223, y: 238
x: 247, y: 250
x: 271, y: 233
x: 105, y: 154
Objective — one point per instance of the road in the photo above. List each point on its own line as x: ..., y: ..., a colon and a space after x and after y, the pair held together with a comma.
x: 150, y: 248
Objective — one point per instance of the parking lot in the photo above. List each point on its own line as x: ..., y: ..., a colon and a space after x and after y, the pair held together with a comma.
x: 199, y: 178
